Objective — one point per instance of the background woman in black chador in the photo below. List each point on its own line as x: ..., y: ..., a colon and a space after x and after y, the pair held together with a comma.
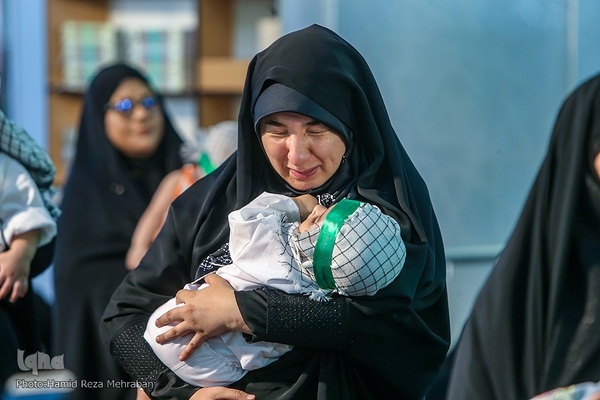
x: 536, y: 323
x: 386, y: 346
x: 122, y: 154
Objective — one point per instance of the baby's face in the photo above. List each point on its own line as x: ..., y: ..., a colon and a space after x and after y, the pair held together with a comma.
x: 316, y: 217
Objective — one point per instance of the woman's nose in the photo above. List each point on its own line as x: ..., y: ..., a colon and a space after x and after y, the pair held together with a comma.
x: 298, y: 148
x: 139, y: 111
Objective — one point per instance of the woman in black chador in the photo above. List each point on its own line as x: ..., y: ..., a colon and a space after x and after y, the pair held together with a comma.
x: 536, y: 323
x: 126, y: 145
x: 312, y: 120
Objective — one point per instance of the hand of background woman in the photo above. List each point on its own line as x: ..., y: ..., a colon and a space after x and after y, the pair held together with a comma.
x: 221, y: 393
x: 209, y: 312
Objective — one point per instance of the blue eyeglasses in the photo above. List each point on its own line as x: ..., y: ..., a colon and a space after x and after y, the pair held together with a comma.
x: 126, y: 106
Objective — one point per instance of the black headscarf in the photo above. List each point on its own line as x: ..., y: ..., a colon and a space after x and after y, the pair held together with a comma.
x: 403, y: 353
x: 103, y: 181
x: 536, y: 322
x: 378, y: 170
x: 105, y: 195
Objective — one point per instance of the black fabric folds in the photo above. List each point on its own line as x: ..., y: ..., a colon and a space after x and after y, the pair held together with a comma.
x: 535, y: 323
x: 105, y: 195
x: 394, y: 341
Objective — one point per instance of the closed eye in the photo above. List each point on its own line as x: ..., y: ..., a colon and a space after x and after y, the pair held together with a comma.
x: 277, y: 133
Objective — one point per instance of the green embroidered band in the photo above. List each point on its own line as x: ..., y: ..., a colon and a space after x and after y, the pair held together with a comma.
x: 325, y: 241
x: 205, y: 163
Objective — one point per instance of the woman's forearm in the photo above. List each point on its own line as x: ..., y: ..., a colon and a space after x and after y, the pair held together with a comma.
x: 132, y: 351
x: 295, y: 319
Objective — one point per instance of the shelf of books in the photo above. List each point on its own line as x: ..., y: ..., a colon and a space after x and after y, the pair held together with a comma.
x: 190, y: 59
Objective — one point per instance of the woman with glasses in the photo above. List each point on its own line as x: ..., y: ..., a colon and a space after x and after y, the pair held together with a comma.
x: 126, y: 145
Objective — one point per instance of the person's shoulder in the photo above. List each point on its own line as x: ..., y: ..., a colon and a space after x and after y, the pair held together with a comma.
x: 209, y: 190
x: 196, y: 194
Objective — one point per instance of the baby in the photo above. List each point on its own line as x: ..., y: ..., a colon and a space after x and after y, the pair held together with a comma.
x: 298, y: 246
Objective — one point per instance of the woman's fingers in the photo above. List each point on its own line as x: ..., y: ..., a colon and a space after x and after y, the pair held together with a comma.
x: 221, y: 393
x: 175, y: 318
x: 214, y: 280
x: 19, y: 290
x: 168, y: 317
x: 5, y: 285
x: 176, y: 331
x: 196, y: 341
x: 208, y: 312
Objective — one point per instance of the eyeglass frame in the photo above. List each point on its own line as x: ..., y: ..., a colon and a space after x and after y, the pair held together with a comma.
x: 117, y: 105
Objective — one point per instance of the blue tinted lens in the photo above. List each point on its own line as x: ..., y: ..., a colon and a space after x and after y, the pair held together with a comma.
x: 148, y: 102
x: 123, y: 105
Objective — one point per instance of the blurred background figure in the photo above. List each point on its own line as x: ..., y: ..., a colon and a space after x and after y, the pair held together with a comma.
x: 126, y: 145
x: 201, y: 154
x: 534, y: 326
x: 27, y: 231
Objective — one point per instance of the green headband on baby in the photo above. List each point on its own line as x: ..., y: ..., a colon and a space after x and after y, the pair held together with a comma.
x: 326, y: 240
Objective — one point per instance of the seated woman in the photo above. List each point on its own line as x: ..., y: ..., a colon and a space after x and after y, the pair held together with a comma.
x: 126, y: 144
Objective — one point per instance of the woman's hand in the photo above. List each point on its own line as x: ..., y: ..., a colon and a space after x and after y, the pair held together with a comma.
x: 211, y: 393
x: 209, y: 312
x: 141, y: 395
x: 221, y: 393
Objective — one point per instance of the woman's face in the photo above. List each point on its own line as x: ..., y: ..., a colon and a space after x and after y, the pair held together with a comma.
x: 597, y: 164
x: 136, y: 131
x: 303, y: 151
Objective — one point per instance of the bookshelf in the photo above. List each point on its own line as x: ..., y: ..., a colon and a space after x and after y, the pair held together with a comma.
x: 219, y: 75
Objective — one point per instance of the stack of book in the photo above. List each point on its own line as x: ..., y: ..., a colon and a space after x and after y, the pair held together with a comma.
x: 165, y: 55
x: 85, y: 46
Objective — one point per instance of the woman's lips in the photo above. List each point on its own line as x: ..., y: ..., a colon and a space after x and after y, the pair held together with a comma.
x: 304, y: 174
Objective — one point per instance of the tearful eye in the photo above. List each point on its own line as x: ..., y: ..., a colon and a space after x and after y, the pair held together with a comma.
x: 277, y: 133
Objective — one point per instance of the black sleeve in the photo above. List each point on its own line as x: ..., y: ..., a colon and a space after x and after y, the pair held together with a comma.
x: 157, y: 279
x: 132, y: 351
x: 395, y: 349
x: 276, y: 316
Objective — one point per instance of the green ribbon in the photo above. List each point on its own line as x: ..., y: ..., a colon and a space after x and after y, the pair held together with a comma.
x: 325, y: 241
x: 205, y: 163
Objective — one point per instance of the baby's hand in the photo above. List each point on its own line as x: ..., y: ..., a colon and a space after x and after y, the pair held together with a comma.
x: 14, y: 274
x: 15, y: 264
x: 306, y: 203
x: 316, y: 216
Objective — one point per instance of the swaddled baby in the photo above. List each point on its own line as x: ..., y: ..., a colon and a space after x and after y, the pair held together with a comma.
x: 292, y: 244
